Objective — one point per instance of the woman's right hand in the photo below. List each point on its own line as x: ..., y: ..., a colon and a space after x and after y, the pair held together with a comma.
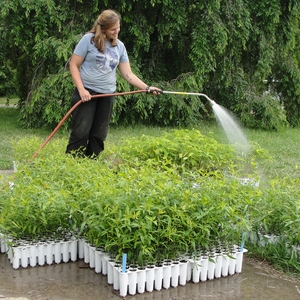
x: 85, y: 95
x: 75, y: 64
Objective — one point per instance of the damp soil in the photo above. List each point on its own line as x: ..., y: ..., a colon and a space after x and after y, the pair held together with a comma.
x: 76, y: 281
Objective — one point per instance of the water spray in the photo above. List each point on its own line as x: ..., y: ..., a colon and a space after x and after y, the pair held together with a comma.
x: 229, y: 124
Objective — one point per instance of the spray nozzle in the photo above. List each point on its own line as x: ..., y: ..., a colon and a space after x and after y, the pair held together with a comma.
x: 212, y: 102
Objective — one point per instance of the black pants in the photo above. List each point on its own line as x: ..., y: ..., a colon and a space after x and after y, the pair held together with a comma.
x: 90, y: 122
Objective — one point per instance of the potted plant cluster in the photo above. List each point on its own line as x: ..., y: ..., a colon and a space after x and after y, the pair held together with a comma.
x: 275, y: 224
x: 157, y: 199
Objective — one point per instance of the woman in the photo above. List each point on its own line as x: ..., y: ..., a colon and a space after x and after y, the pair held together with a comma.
x: 93, y: 70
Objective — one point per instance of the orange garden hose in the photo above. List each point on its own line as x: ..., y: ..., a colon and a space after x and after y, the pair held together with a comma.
x: 212, y: 102
x: 71, y: 110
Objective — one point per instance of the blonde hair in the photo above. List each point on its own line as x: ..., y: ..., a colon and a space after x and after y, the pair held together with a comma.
x: 106, y: 20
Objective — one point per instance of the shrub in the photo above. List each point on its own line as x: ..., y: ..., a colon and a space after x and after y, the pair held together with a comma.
x: 264, y: 112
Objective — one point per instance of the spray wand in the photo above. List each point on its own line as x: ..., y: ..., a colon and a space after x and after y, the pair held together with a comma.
x: 212, y: 102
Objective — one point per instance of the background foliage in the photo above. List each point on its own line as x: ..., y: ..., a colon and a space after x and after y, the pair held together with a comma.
x: 232, y: 50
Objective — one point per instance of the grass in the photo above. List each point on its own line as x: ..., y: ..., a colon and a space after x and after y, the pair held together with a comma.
x: 11, y: 101
x: 10, y: 131
x: 283, y: 147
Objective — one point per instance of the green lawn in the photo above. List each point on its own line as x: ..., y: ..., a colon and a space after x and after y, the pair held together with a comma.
x: 283, y: 146
x: 11, y: 101
x: 11, y: 131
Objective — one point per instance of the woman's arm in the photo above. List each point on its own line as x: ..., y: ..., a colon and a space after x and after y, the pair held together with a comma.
x: 75, y: 64
x: 131, y: 78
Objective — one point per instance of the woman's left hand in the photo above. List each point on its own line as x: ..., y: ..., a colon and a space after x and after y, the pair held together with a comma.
x: 154, y: 90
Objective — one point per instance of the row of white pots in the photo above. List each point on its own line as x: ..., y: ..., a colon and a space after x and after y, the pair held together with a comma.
x: 40, y: 253
x: 127, y: 279
x: 164, y: 275
x: 172, y: 274
x: 295, y: 251
x: 263, y: 239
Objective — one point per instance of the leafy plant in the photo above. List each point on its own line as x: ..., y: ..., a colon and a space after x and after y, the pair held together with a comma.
x: 183, y: 150
x: 49, y: 102
x: 152, y: 198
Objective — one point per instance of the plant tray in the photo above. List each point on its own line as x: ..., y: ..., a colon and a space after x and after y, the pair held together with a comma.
x: 134, y: 280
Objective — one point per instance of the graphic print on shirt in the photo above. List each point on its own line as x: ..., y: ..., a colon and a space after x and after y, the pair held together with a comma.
x: 108, y: 61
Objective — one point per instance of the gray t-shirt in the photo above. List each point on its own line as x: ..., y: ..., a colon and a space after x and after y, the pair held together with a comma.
x: 98, y: 70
